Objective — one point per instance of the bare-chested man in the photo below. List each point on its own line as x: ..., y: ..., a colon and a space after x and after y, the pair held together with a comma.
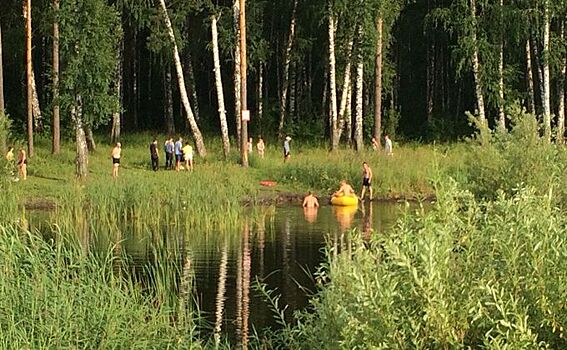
x: 366, y: 180
x: 310, y: 201
x: 344, y: 190
x: 115, y: 155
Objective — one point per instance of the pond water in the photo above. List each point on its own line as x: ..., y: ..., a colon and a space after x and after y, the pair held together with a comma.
x: 280, y: 246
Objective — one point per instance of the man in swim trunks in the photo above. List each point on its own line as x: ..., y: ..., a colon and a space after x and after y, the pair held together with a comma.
x: 286, y: 149
x: 344, y: 190
x: 115, y: 155
x: 366, y: 180
x: 178, y: 153
x: 310, y: 201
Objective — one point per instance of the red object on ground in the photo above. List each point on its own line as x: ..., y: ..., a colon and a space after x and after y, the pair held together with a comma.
x: 268, y: 183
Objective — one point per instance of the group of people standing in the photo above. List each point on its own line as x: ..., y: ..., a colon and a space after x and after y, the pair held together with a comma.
x: 183, y: 155
x: 21, y: 163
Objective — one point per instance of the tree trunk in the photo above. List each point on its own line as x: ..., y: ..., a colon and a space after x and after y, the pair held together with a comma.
x: 29, y: 75
x: 430, y: 74
x: 348, y: 116
x: 56, y: 129
x: 292, y: 92
x: 221, y: 290
x: 192, y: 85
x: 243, y: 85
x: 237, y: 102
x: 220, y: 93
x: 346, y: 87
x: 182, y: 89
x: 501, y: 114
x: 358, y: 125
x: 134, y: 77
x: 287, y: 60
x: 546, y: 78
x: 378, y: 83
x: 82, y: 153
x: 476, y: 68
x: 91, y: 144
x: 38, y: 119
x: 530, y: 78
x: 117, y: 114
x: 561, y: 92
x: 169, y: 120
x: 334, y: 125
x: 260, y: 102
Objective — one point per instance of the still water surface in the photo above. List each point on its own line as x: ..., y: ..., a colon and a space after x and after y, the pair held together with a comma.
x: 281, y: 246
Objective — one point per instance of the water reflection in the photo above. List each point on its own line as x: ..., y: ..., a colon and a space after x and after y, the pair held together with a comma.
x: 281, y: 246
x: 221, y: 289
x: 345, y: 216
x: 310, y: 214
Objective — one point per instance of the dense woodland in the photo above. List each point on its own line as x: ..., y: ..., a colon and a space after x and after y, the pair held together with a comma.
x: 336, y: 71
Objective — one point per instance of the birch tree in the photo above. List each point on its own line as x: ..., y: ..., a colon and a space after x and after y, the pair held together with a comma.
x: 182, y: 89
x: 218, y: 83
x: 546, y: 84
x: 55, y: 129
x: 236, y: 75
x: 89, y: 63
x: 334, y: 125
x: 287, y: 61
x: 3, y: 118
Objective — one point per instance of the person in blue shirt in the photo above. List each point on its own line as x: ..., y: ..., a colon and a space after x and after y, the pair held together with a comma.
x: 178, y: 153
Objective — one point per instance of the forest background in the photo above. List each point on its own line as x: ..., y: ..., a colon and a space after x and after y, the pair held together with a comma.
x: 324, y: 71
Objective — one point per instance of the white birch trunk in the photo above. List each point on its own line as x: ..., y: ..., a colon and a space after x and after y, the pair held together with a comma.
x: 346, y: 87
x: 546, y: 93
x: 56, y: 127
x: 287, y: 60
x: 236, y: 77
x: 378, y: 82
x: 220, y: 93
x: 348, y: 116
x: 358, y: 125
x: 37, y: 118
x: 476, y: 69
x: 182, y: 89
x: 117, y: 114
x: 82, y: 152
x: 260, y: 107
x: 334, y: 125
x: 501, y: 114
x: 530, y: 77
x: 561, y: 93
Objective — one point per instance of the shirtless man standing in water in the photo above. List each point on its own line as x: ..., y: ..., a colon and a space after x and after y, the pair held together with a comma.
x: 115, y: 155
x: 366, y: 180
x: 310, y: 201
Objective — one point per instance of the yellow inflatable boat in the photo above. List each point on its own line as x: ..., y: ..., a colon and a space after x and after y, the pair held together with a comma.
x: 345, y: 201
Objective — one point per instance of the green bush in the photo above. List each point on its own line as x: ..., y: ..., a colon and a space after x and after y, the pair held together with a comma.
x: 467, y: 274
x: 519, y: 158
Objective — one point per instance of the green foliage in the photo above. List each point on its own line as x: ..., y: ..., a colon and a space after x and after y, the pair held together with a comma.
x: 90, y: 34
x: 516, y: 159
x: 467, y: 274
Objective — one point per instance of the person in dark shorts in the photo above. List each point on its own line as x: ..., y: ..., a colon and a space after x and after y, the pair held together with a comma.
x: 286, y: 149
x: 154, y: 155
x: 115, y: 155
x: 366, y: 180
